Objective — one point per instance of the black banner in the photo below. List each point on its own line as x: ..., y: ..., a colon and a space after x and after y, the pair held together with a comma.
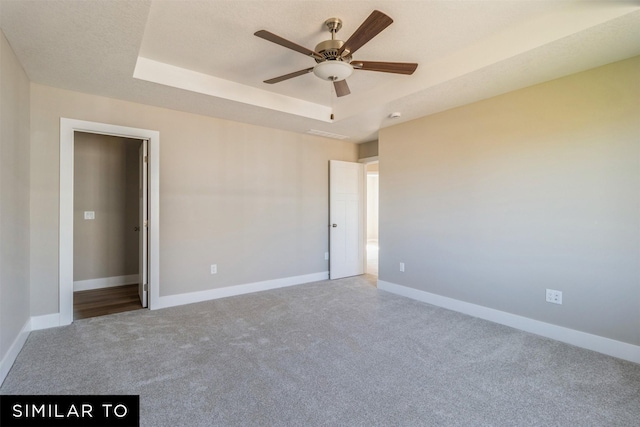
x: 69, y: 411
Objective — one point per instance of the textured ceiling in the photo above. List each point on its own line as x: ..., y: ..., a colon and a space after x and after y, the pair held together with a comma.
x: 202, y: 56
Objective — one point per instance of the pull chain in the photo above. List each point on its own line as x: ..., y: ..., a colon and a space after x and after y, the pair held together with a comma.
x: 331, y: 100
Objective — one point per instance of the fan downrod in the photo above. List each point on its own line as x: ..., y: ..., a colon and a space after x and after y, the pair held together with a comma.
x: 330, y: 49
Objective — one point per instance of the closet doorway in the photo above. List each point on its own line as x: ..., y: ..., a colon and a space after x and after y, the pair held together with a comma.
x: 68, y: 129
x: 109, y: 251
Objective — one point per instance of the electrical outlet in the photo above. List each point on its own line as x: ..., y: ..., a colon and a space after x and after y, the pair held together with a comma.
x: 402, y: 267
x: 89, y: 215
x: 554, y: 296
x: 214, y: 268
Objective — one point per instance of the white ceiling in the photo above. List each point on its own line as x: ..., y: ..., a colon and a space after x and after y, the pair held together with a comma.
x: 202, y: 56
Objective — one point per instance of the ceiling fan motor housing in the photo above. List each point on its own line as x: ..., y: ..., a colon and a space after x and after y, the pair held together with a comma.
x: 329, y: 49
x: 334, y: 67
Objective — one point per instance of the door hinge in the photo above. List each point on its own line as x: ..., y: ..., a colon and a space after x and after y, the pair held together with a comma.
x: 144, y: 287
x: 146, y: 223
x: 145, y: 159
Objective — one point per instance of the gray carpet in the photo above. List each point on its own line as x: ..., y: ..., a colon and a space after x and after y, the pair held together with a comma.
x: 328, y: 353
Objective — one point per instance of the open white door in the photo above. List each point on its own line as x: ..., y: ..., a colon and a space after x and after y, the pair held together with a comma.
x: 144, y: 226
x: 346, y: 219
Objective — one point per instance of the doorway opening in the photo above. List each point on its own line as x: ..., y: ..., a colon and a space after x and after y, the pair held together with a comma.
x: 150, y: 232
x: 353, y: 219
x: 346, y: 218
x: 371, y: 212
x: 107, y: 223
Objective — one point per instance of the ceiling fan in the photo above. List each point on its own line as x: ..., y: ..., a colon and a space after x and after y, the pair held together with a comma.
x: 334, y: 57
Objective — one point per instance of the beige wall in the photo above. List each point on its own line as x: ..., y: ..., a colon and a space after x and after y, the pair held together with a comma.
x: 368, y: 149
x: 105, y: 182
x: 14, y: 197
x: 494, y: 202
x: 250, y: 199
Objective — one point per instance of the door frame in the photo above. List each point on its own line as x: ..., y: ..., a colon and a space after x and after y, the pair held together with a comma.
x: 68, y: 127
x: 143, y: 241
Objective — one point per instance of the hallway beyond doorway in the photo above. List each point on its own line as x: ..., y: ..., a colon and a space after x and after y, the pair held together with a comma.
x: 372, y: 257
x: 372, y: 181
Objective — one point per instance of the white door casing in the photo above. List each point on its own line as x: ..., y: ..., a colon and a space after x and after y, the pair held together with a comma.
x: 142, y: 224
x: 346, y: 219
x: 65, y: 272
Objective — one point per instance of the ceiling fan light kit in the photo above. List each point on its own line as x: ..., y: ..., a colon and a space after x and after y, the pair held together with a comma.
x: 333, y: 71
x: 334, y: 57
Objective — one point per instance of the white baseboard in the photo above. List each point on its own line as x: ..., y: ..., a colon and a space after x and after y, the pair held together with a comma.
x: 33, y: 324
x: 14, y: 349
x: 105, y: 282
x: 229, y: 291
x: 45, y: 322
x: 597, y: 343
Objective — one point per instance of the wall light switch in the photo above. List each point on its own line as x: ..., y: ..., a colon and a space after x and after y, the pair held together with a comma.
x: 326, y: 256
x: 214, y: 268
x: 402, y: 267
x: 89, y: 215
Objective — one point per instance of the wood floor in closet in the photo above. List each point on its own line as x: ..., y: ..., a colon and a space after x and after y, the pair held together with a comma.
x: 99, y: 302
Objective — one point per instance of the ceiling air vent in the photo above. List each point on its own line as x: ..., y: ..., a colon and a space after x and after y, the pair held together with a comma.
x: 326, y: 134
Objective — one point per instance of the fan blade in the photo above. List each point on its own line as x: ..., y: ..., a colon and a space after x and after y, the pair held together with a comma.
x: 342, y: 88
x: 386, y: 67
x: 286, y: 43
x: 289, y: 76
x: 371, y: 27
